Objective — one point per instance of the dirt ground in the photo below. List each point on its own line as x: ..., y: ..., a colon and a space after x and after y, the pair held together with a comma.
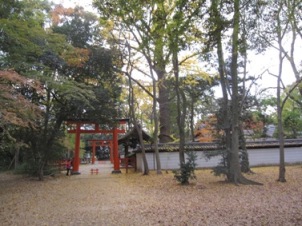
x: 132, y: 199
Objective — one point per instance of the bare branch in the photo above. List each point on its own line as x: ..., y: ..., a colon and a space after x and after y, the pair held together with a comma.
x: 288, y: 94
x: 136, y: 81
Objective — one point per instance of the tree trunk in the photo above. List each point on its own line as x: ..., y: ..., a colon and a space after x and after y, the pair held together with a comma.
x: 137, y: 127
x: 155, y: 135
x: 235, y: 172
x: 17, y: 154
x: 164, y: 109
x: 234, y: 154
x: 182, y: 135
x: 155, y: 116
x: 192, y: 121
x: 141, y: 141
x: 180, y: 108
x: 279, y: 108
x: 245, y: 164
x: 41, y: 165
x: 159, y: 66
x: 226, y: 125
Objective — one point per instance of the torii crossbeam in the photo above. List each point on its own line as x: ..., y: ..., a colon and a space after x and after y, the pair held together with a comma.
x: 78, y: 130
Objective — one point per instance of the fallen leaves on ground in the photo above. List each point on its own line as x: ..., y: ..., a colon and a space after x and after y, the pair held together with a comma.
x: 134, y: 199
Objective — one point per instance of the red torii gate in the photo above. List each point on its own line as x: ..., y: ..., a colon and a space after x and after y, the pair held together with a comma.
x: 77, y: 131
x: 94, y: 143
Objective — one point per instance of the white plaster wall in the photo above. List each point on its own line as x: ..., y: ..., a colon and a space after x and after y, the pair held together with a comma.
x: 271, y: 156
x: 265, y: 156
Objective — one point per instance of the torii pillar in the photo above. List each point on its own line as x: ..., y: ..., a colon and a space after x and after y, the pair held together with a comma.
x: 93, y: 153
x: 76, y: 159
x: 116, y: 159
x: 94, y: 143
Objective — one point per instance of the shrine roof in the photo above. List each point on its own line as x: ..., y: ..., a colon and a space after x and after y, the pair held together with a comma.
x: 134, y: 134
x: 90, y: 121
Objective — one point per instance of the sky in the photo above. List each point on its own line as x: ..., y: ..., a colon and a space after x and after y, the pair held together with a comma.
x: 270, y: 61
x: 87, y: 4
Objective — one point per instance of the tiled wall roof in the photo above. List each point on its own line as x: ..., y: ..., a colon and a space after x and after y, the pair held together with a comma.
x: 197, y: 146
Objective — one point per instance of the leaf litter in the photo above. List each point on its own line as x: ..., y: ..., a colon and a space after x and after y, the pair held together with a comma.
x: 132, y: 199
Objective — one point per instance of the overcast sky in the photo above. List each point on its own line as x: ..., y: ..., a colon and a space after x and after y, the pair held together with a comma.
x: 87, y: 4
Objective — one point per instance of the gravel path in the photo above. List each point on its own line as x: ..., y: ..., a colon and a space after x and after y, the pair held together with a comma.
x: 132, y: 199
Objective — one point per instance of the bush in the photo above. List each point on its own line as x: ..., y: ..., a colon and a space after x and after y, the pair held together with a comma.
x: 223, y: 166
x: 186, y: 171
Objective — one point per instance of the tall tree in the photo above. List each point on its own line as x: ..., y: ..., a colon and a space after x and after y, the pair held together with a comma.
x: 23, y: 42
x: 132, y: 109
x: 144, y: 23
x: 157, y: 30
x: 146, y: 26
x: 75, y: 85
x: 229, y: 79
x: 281, y: 22
x: 180, y: 24
x: 235, y: 172
x: 16, y: 111
x: 138, y: 128
x: 217, y: 25
x: 280, y: 35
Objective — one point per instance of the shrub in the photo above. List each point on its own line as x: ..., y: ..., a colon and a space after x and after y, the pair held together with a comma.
x: 186, y: 171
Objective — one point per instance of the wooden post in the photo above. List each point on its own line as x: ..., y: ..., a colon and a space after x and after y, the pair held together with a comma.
x: 93, y: 152
x: 76, y: 159
x: 111, y: 152
x: 116, y: 160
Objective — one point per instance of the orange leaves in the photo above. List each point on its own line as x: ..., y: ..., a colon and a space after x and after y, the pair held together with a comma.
x: 205, y: 131
x: 12, y: 77
x: 76, y: 57
x: 15, y: 108
x: 59, y: 13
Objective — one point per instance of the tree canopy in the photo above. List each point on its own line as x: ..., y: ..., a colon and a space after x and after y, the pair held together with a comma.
x: 53, y: 68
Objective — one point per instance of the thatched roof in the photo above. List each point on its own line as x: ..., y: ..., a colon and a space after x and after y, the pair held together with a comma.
x: 133, y: 135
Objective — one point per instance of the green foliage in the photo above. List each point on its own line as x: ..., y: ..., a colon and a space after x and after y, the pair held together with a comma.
x: 291, y: 115
x: 66, y: 74
x: 223, y: 167
x: 186, y: 171
x: 23, y: 38
x: 31, y: 168
x: 5, y: 158
x: 292, y: 123
x: 6, y: 7
x: 159, y: 30
x: 38, y: 156
x: 79, y: 27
